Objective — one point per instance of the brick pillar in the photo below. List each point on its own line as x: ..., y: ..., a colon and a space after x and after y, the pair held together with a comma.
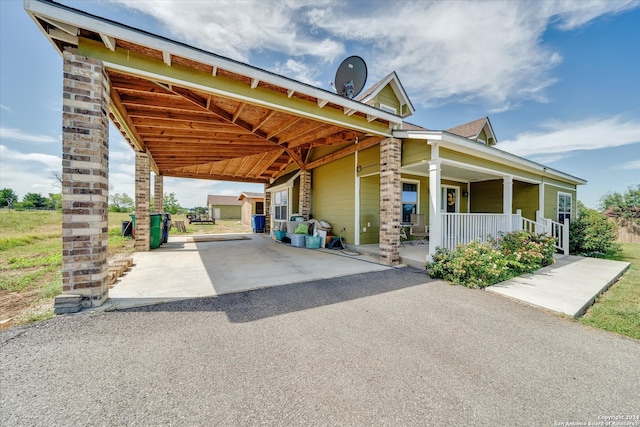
x: 158, y: 193
x: 305, y: 194
x: 143, y: 194
x: 267, y: 210
x: 390, y: 201
x: 85, y: 184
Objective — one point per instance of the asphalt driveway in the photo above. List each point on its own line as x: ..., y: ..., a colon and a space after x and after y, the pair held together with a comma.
x: 380, y: 348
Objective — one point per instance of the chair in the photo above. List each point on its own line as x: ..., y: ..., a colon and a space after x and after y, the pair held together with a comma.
x: 419, y: 228
x: 403, y: 236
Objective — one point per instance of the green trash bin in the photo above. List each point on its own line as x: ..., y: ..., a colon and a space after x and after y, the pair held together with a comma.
x: 156, y: 231
x: 133, y: 224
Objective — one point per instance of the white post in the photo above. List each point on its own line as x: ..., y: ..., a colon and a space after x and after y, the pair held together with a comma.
x: 519, y: 222
x: 507, y: 195
x: 565, y: 237
x: 435, y: 223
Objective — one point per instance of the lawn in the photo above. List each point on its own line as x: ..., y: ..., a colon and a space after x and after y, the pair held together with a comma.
x: 31, y: 259
x: 618, y: 309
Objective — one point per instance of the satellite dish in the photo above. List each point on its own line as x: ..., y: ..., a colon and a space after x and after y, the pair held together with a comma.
x: 351, y: 76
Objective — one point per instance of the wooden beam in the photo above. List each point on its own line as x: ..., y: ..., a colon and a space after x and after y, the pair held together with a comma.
x: 264, y: 120
x: 296, y: 158
x: 238, y: 111
x: 369, y: 142
x: 166, y: 57
x: 121, y: 113
x: 108, y: 41
x: 284, y: 127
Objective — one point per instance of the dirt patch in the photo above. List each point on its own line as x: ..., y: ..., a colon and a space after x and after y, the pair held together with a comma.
x: 13, y: 304
x: 199, y: 239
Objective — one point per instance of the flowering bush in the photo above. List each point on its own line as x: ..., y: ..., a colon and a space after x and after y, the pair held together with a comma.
x: 483, y: 264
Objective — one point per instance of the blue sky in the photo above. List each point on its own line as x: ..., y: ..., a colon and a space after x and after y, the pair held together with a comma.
x: 560, y: 81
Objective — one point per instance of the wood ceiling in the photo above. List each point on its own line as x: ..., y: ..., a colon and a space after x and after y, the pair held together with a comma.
x: 192, y: 131
x: 197, y: 135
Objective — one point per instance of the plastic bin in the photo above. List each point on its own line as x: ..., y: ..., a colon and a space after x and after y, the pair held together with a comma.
x: 280, y: 234
x: 313, y: 242
x: 298, y: 240
x: 166, y: 221
x: 156, y: 231
x: 133, y: 224
x: 257, y: 223
x: 126, y: 228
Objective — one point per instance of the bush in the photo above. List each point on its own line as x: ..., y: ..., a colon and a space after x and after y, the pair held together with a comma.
x: 484, y: 264
x: 592, y: 235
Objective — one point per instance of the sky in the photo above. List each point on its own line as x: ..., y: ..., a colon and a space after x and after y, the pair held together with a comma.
x: 559, y: 80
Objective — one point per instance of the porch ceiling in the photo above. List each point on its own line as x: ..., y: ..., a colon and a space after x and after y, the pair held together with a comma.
x: 450, y: 172
x: 203, y: 116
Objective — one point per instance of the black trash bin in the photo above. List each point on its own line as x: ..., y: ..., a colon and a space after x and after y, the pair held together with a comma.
x: 127, y: 226
x: 166, y: 222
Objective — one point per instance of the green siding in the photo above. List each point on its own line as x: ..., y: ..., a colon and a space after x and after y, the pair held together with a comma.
x: 333, y: 195
x: 229, y: 212
x: 551, y: 201
x: 369, y: 160
x: 486, y: 196
x: 476, y: 161
x: 370, y: 209
x: 414, y: 151
x: 387, y: 97
x: 525, y: 198
x: 320, y: 152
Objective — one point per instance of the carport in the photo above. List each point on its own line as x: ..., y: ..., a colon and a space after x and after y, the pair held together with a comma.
x: 186, y: 113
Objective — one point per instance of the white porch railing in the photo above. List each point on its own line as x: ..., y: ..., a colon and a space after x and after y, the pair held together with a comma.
x: 463, y: 228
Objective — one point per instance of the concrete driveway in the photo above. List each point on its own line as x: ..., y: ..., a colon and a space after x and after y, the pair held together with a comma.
x: 379, y: 348
x: 209, y: 265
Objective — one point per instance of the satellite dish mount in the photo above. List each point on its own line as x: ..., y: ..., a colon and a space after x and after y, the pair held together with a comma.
x: 351, y: 77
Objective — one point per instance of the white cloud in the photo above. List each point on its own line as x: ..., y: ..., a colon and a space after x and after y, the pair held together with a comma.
x: 562, y: 137
x: 490, y: 50
x: 4, y: 107
x: 19, y: 135
x: 632, y: 165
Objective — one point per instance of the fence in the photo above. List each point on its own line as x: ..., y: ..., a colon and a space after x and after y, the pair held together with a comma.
x: 628, y: 229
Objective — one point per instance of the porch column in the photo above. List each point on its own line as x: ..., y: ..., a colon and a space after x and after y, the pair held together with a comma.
x: 507, y: 195
x: 305, y: 194
x: 435, y: 194
x: 143, y: 192
x: 390, y: 201
x: 267, y: 210
x: 85, y: 184
x: 158, y: 193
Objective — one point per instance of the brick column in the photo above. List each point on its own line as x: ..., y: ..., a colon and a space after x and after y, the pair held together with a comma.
x: 267, y: 210
x: 305, y: 194
x: 143, y: 195
x: 390, y: 201
x: 158, y: 195
x: 85, y: 184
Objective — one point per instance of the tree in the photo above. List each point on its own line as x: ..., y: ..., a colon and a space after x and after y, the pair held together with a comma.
x: 170, y: 203
x: 120, y: 203
x: 54, y: 201
x: 7, y: 197
x: 592, y: 234
x: 625, y: 205
x: 33, y: 200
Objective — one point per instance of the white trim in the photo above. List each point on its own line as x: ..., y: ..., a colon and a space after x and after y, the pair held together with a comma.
x: 410, y: 181
x: 571, y: 212
x: 551, y: 184
x: 464, y: 145
x: 288, y: 184
x: 541, y: 196
x: 507, y: 194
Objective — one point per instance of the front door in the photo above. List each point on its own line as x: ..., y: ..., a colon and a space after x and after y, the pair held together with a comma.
x: 449, y: 203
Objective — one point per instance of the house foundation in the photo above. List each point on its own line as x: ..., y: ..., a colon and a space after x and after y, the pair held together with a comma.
x: 85, y: 183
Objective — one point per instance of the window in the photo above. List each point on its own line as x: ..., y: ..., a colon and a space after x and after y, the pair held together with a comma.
x: 409, y: 201
x: 259, y: 208
x: 564, y: 206
x: 449, y: 199
x: 280, y: 205
x: 388, y: 108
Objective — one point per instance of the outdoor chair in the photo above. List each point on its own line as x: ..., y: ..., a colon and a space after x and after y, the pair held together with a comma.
x: 419, y: 228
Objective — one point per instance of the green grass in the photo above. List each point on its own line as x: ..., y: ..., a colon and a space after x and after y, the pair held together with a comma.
x: 618, y: 309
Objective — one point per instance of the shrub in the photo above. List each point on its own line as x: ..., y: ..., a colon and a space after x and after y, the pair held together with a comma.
x: 592, y: 235
x: 484, y: 264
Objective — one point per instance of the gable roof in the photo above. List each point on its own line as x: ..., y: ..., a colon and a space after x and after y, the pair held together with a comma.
x: 250, y: 195
x: 411, y: 126
x: 223, y: 200
x: 392, y: 80
x: 473, y: 129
